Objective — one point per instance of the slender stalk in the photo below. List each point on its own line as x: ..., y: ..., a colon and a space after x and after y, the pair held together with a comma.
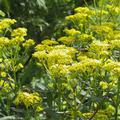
x: 117, y: 101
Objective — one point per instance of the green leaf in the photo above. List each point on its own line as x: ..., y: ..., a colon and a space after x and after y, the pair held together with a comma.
x: 2, y: 13
x: 42, y: 3
x: 10, y: 118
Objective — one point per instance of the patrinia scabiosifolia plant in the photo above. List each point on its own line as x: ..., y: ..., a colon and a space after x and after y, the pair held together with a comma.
x: 14, y: 53
x: 82, y: 68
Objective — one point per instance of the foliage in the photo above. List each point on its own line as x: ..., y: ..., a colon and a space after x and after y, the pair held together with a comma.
x: 74, y: 77
x: 41, y: 17
x: 15, y: 53
x: 82, y: 67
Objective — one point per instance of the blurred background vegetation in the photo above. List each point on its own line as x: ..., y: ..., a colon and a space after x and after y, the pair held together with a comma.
x: 42, y: 18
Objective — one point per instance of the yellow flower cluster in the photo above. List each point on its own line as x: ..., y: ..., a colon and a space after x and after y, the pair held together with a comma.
x: 28, y: 43
x: 72, y: 32
x: 115, y: 44
x: 102, y: 29
x: 59, y: 70
x: 101, y: 13
x: 58, y: 54
x: 19, y: 32
x: 86, y: 38
x: 112, y: 67
x: 85, y: 10
x: 101, y: 114
x: 3, y: 74
x: 49, y: 42
x: 18, y: 67
x: 113, y: 9
x: 6, y: 86
x: 103, y: 85
x: 28, y: 99
x: 6, y: 23
x: 83, y: 14
x: 67, y: 40
x: 99, y: 46
x: 4, y: 41
x: 86, y: 65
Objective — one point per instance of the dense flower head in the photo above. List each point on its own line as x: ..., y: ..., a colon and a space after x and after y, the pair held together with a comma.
x: 113, y: 9
x: 115, y: 44
x: 6, y: 86
x: 101, y: 29
x: 4, y: 41
x: 59, y: 54
x: 72, y: 32
x: 86, y: 38
x: 16, y: 40
x: 97, y: 46
x: 40, y: 55
x: 59, y: 70
x: 110, y: 65
x: 103, y: 114
x: 49, y: 42
x: 41, y: 47
x: 101, y: 13
x: 86, y: 65
x: 19, y: 32
x: 3, y: 74
x: 103, y: 85
x: 28, y: 99
x: 67, y: 40
x: 84, y: 10
x: 28, y: 43
x: 78, y: 17
x: 6, y: 23
x: 113, y: 67
x: 115, y: 35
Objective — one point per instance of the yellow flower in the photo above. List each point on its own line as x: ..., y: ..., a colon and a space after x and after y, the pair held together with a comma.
x: 113, y: 9
x: 86, y: 38
x: 102, y: 29
x: 6, y: 23
x: 103, y: 85
x: 28, y: 99
x: 6, y: 87
x: 39, y: 109
x: 101, y: 13
x: 18, y: 67
x: 4, y: 41
x: 79, y: 17
x: 40, y: 55
x: 115, y: 44
x: 59, y: 70
x: 97, y: 46
x: 84, y: 10
x: 28, y: 43
x: 67, y: 40
x: 110, y: 110
x: 41, y: 47
x: 19, y: 32
x: 111, y: 65
x: 86, y: 65
x: 1, y: 60
x: 16, y: 40
x: 59, y: 56
x: 3, y: 74
x: 72, y: 32
x: 49, y: 42
x: 116, y: 71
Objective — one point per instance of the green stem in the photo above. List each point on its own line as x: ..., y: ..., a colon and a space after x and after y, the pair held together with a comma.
x: 117, y: 101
